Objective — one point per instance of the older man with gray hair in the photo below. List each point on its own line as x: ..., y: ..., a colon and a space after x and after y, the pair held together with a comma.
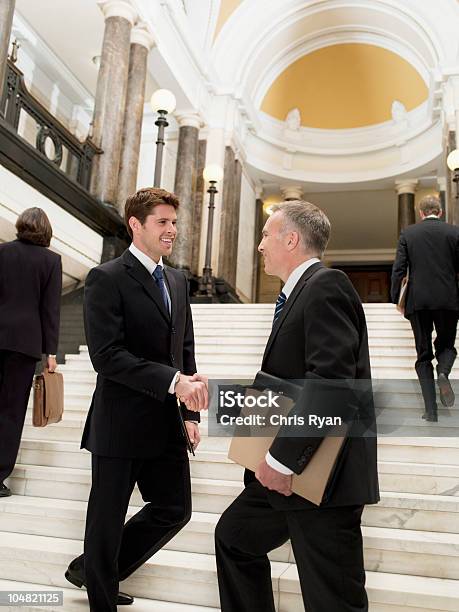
x: 428, y: 253
x: 319, y: 333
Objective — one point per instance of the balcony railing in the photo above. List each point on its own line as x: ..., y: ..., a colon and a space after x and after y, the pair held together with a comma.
x: 33, y: 122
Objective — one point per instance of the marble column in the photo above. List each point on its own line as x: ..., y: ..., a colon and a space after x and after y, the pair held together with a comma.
x: 291, y: 192
x: 141, y: 44
x: 406, y: 213
x: 257, y: 258
x: 6, y: 23
x: 198, y: 205
x: 110, y: 100
x: 229, y: 221
x: 185, y: 187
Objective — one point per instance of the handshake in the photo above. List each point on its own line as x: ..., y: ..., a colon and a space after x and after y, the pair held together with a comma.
x: 193, y: 391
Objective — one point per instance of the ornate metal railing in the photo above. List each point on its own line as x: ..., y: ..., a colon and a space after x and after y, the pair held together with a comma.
x: 54, y: 141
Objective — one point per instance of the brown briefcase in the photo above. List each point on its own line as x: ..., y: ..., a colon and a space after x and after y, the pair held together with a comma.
x: 48, y: 398
x: 312, y: 482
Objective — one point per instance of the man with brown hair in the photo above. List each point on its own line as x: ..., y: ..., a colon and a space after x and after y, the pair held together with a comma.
x: 140, y: 338
x: 429, y: 253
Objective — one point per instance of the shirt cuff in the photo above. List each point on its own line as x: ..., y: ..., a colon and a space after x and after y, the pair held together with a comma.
x: 173, y: 383
x: 277, y: 465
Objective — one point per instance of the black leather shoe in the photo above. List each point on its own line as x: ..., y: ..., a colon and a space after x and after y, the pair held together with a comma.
x: 431, y: 416
x: 446, y: 391
x: 4, y: 491
x: 76, y: 577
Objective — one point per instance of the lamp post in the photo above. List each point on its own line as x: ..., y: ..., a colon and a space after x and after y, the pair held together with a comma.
x: 162, y: 102
x: 212, y: 174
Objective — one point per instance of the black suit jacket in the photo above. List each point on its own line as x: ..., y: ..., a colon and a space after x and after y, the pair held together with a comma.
x: 30, y: 296
x: 430, y: 249
x: 135, y: 348
x: 321, y: 335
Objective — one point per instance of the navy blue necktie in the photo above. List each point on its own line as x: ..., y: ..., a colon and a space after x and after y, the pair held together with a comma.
x: 159, y: 280
x: 280, y: 303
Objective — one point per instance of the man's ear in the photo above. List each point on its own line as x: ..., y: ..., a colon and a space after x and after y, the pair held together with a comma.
x: 134, y: 224
x: 293, y: 239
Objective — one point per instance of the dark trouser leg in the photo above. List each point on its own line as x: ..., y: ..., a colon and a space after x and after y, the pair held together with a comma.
x: 164, y: 483
x: 422, y: 325
x: 16, y: 376
x: 328, y: 549
x: 245, y: 533
x: 445, y: 352
x: 113, y: 480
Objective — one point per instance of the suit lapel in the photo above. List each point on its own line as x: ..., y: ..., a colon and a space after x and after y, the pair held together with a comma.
x: 141, y: 275
x: 288, y: 305
x: 172, y: 286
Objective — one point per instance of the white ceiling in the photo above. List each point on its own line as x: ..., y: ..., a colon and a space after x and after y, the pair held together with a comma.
x: 74, y: 31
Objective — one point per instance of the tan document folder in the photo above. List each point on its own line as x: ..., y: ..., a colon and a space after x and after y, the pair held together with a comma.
x: 312, y: 482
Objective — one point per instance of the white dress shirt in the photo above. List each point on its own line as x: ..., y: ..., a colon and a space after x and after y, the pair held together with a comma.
x: 287, y: 290
x: 150, y: 265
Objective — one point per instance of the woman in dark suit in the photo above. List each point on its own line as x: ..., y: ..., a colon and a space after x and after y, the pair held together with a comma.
x: 30, y: 291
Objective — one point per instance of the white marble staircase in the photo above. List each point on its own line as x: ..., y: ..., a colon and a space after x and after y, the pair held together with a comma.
x: 411, y: 537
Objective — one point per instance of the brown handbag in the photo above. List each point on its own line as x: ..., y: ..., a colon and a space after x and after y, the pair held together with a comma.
x: 48, y: 398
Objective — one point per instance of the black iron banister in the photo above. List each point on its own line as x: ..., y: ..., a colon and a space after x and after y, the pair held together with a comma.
x: 16, y: 98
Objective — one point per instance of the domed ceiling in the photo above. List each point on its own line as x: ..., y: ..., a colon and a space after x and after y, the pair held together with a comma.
x: 345, y: 86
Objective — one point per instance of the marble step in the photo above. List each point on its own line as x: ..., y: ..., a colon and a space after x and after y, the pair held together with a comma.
x: 386, y: 549
x: 214, y: 465
x: 38, y: 559
x: 403, y: 510
x: 75, y: 600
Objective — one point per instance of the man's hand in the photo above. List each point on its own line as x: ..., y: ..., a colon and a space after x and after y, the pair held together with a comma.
x: 51, y: 363
x: 202, y: 378
x: 274, y: 480
x: 193, y: 393
x: 194, y: 434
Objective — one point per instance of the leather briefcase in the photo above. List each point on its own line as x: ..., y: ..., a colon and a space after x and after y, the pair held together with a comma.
x: 403, y: 291
x: 48, y: 398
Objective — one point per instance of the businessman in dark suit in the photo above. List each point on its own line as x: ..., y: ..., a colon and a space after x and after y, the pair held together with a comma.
x: 319, y: 333
x: 430, y: 251
x: 30, y: 295
x: 140, y: 337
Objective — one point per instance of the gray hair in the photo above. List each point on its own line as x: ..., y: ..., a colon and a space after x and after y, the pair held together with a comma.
x: 430, y: 205
x: 309, y: 221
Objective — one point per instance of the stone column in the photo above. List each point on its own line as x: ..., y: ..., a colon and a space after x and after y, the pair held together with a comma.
x: 406, y: 213
x: 257, y: 258
x: 141, y: 43
x: 185, y: 187
x: 198, y: 207
x: 110, y: 99
x: 291, y: 192
x: 6, y: 23
x: 229, y: 223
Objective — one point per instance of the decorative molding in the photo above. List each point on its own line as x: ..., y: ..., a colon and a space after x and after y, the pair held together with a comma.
x: 292, y: 192
x: 141, y: 35
x: 359, y: 255
x: 406, y: 186
x: 118, y: 8
x: 191, y: 119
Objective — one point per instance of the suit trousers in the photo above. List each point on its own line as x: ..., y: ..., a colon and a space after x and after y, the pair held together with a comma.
x: 16, y: 377
x: 114, y: 550
x: 422, y: 324
x: 326, y: 542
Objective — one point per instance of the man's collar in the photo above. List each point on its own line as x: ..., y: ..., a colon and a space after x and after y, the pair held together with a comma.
x: 144, y: 259
x: 296, y: 274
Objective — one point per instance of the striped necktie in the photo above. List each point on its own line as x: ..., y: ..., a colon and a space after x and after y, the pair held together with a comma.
x: 159, y: 280
x: 280, y: 303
